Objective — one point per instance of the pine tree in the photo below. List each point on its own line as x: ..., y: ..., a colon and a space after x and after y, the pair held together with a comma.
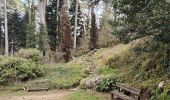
x: 79, y: 23
x: 31, y: 37
x: 93, y: 31
x: 17, y: 32
x: 51, y: 11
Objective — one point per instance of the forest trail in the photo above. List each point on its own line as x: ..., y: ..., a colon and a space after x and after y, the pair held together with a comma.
x: 50, y: 95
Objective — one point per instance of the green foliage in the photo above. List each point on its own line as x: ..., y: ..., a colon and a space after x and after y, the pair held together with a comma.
x: 43, y: 39
x: 142, y: 65
x: 142, y: 18
x: 61, y: 77
x: 93, y: 32
x: 16, y: 31
x: 106, y: 84
x: 160, y: 96
x: 30, y: 54
x: 52, y: 24
x: 30, y: 36
x: 106, y: 70
x: 84, y: 95
x: 67, y: 77
x: 18, y: 70
x: 80, y: 30
x: 31, y: 27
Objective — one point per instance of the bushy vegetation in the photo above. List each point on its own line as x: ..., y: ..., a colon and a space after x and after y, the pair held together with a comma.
x: 142, y: 65
x: 106, y: 84
x: 105, y: 70
x: 158, y: 95
x: 30, y: 54
x: 103, y: 82
x: 14, y: 70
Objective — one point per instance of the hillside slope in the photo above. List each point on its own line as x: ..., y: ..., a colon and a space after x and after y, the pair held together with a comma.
x: 139, y: 63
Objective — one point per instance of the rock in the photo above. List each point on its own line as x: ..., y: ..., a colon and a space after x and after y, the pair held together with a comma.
x: 73, y: 89
x: 161, y: 84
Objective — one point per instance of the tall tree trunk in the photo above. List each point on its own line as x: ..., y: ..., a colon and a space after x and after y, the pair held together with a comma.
x: 6, y: 30
x: 43, y: 30
x: 0, y: 32
x: 29, y: 9
x: 85, y: 33
x: 65, y: 28
x: 75, y: 26
x: 42, y: 11
x: 58, y: 23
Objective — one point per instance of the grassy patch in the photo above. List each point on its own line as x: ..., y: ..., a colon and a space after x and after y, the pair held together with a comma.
x: 106, y: 70
x: 84, y: 95
x: 61, y: 77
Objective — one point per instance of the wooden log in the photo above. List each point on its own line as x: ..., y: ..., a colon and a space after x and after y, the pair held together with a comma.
x: 36, y: 89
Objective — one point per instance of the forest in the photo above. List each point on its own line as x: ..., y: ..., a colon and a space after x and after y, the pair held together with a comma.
x: 84, y: 49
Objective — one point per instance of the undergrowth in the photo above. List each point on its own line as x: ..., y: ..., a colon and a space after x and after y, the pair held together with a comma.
x: 13, y: 69
x: 61, y: 77
x: 105, y: 70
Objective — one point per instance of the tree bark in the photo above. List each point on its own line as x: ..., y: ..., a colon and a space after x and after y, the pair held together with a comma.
x: 43, y: 30
x: 6, y: 30
x: 29, y: 9
x: 58, y: 23
x: 42, y: 12
x: 75, y: 25
x: 85, y: 33
x: 65, y: 29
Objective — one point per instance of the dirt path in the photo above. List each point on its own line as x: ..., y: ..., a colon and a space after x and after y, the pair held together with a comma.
x: 51, y: 95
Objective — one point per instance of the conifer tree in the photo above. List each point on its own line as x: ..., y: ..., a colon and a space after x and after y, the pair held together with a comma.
x: 93, y: 31
x: 31, y: 37
x: 76, y: 25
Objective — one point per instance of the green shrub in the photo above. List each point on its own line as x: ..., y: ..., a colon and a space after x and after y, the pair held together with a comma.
x: 1, y: 57
x: 106, y: 84
x: 30, y: 54
x: 106, y: 70
x: 160, y: 96
x: 18, y: 70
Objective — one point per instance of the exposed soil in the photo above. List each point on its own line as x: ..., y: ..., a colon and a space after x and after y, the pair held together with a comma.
x: 49, y: 95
